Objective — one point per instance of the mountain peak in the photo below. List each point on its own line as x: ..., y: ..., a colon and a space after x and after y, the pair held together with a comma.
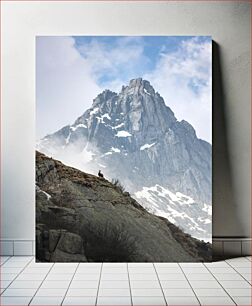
x: 139, y: 85
x: 137, y: 82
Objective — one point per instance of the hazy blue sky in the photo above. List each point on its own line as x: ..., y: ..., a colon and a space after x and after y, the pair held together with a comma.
x: 71, y: 71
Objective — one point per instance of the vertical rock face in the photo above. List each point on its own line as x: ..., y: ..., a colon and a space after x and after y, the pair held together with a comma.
x: 135, y: 137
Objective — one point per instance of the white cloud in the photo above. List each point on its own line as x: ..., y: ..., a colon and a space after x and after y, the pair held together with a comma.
x: 183, y: 78
x: 65, y: 86
x: 115, y: 64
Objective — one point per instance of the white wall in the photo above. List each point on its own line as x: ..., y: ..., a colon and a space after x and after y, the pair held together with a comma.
x: 229, y: 25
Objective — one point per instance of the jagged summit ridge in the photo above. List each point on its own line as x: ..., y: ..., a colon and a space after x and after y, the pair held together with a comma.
x: 104, y: 96
x: 134, y: 136
x: 138, y: 85
x: 137, y: 102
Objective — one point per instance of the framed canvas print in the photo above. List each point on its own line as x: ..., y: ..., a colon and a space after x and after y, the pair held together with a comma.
x: 123, y: 153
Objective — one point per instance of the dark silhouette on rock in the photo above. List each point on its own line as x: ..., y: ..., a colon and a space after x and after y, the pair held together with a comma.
x: 100, y: 174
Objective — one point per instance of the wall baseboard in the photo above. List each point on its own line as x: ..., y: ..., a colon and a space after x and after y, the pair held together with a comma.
x: 222, y: 247
x: 17, y: 247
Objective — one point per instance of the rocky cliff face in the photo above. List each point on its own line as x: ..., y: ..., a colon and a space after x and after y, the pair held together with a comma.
x: 80, y: 217
x: 135, y: 137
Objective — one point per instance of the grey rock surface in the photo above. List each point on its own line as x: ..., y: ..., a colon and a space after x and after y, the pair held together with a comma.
x: 60, y: 256
x: 70, y: 243
x: 109, y: 225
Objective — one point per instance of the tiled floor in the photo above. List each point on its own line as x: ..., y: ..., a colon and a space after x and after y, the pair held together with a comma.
x: 24, y: 282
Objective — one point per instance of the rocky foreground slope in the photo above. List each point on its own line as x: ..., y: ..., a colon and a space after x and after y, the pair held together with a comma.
x: 80, y: 217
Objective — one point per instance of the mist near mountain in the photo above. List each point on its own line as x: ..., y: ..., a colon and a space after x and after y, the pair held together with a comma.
x: 135, y: 137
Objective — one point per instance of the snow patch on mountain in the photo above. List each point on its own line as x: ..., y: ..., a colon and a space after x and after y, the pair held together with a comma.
x: 68, y: 138
x: 147, y: 146
x: 106, y: 116
x: 147, y: 92
x: 81, y: 125
x: 94, y: 111
x: 207, y: 209
x: 123, y: 134
x: 118, y: 126
x: 101, y: 119
x: 116, y: 150
x: 180, y: 209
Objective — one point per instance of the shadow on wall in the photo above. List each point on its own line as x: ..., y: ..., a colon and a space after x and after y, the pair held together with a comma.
x: 225, y: 216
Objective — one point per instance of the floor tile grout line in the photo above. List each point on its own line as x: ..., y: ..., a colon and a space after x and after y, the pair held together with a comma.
x: 16, y: 276
x: 1, y: 280
x: 160, y: 283
x: 247, y: 259
x: 220, y: 284
x: 1, y: 266
x: 240, y: 273
x: 228, y: 260
x: 42, y: 281
x: 189, y: 284
x: 99, y: 282
x: 131, y: 298
x: 70, y: 283
x: 9, y: 257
